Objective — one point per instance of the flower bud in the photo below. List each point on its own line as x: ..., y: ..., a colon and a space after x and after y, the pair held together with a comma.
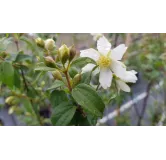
x: 43, y: 83
x: 76, y: 79
x: 49, y: 62
x: 3, y: 54
x: 57, y: 75
x: 72, y: 52
x: 9, y: 100
x: 64, y: 53
x: 39, y: 42
x: 12, y: 109
x: 49, y: 44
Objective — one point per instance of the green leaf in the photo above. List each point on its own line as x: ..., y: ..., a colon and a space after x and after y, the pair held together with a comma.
x: 29, y: 43
x: 63, y: 114
x: 56, y: 84
x: 112, y: 97
x: 31, y: 92
x: 86, y: 77
x: 7, y: 73
x: 72, y: 72
x: 79, y: 120
x: 23, y: 57
x: 92, y: 120
x: 44, y: 69
x: 88, y: 98
x: 81, y: 62
x: 58, y: 97
x: 17, y: 80
x: 27, y: 105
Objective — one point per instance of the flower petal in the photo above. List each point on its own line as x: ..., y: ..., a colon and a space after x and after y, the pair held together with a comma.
x: 103, y: 45
x: 105, y: 77
x: 118, y: 52
x: 118, y: 68
x: 91, y: 53
x: 130, y: 76
x: 122, y: 85
x: 88, y: 68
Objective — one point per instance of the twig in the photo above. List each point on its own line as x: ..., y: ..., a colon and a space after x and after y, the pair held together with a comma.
x: 16, y: 42
x: 27, y: 89
x: 135, y: 105
x: 115, y: 40
x: 26, y: 86
x: 145, y: 103
x: 68, y: 80
x: 24, y: 80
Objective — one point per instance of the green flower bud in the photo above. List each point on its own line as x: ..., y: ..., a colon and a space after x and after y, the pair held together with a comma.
x: 12, y: 109
x: 49, y: 44
x: 72, y: 52
x: 39, y: 42
x: 76, y: 79
x: 49, y: 62
x: 43, y: 83
x: 57, y: 75
x: 9, y: 100
x: 3, y: 54
x: 64, y: 53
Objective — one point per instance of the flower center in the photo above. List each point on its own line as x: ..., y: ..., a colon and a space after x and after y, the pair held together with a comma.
x: 104, y: 61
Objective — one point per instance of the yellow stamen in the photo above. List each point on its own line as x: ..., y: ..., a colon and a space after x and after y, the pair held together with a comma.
x: 104, y: 61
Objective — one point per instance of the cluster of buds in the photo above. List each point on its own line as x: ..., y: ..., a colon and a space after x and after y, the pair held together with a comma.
x: 66, y: 53
x: 12, y: 101
x: 48, y: 44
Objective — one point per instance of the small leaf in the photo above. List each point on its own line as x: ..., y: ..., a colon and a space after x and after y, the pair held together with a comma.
x: 81, y: 62
x: 72, y: 72
x: 27, y: 105
x: 17, y: 80
x: 23, y: 57
x: 44, y: 69
x: 56, y: 84
x: 88, y: 98
x: 7, y: 73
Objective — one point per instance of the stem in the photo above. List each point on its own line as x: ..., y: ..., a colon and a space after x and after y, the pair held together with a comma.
x: 97, y: 87
x: 68, y: 81
x: 26, y: 87
x: 135, y: 105
x: 16, y: 42
x: 145, y: 103
x: 24, y: 80
x: 115, y: 40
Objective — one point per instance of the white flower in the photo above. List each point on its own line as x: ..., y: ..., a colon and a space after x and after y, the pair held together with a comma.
x: 96, y: 36
x: 129, y: 77
x: 108, y: 61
